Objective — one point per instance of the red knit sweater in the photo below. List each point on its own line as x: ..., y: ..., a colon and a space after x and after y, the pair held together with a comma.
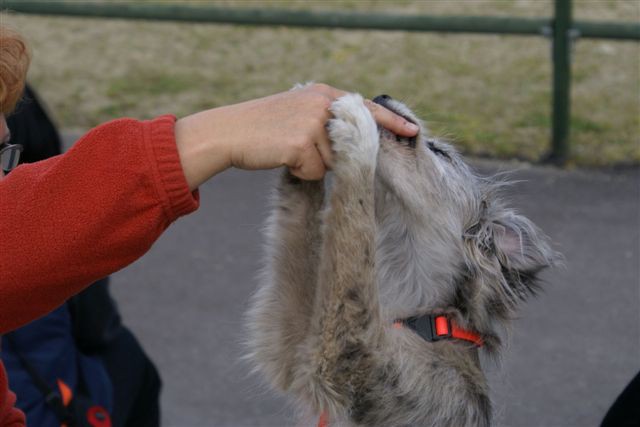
x: 70, y: 220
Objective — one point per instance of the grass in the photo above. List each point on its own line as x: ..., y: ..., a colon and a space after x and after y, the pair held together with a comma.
x: 489, y: 94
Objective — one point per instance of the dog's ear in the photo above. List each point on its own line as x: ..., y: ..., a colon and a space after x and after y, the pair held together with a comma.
x: 520, y: 245
x: 511, y: 249
x: 522, y: 250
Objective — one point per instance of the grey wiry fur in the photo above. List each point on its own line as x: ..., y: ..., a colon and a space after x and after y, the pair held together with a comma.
x: 408, y: 229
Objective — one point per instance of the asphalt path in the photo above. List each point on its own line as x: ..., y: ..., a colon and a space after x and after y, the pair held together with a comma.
x: 571, y: 351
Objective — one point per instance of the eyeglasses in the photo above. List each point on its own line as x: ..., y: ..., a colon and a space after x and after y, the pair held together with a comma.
x: 10, y: 156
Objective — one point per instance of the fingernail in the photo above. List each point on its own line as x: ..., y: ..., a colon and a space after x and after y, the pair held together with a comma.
x: 411, y: 126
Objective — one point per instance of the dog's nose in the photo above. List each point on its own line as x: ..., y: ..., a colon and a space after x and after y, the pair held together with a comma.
x: 382, y: 100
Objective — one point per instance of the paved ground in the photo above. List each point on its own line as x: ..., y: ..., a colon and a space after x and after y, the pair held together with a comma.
x: 572, y: 351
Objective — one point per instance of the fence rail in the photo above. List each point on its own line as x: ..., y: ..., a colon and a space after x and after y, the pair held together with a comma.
x: 322, y: 19
x: 560, y: 29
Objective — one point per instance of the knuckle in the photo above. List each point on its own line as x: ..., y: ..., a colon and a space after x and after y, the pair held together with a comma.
x: 300, y: 145
x: 326, y: 103
x: 371, y: 105
x: 322, y: 87
x: 314, y: 124
x: 317, y: 124
x: 320, y: 100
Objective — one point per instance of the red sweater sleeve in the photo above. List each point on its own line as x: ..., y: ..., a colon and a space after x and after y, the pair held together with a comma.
x: 75, y: 218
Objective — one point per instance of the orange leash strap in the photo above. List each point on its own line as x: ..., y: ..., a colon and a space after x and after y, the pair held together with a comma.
x: 322, y: 422
x: 466, y: 335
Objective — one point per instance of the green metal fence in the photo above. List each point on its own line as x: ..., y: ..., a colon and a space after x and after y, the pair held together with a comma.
x: 561, y: 30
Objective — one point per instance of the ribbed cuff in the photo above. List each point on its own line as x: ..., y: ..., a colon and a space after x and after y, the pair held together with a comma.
x: 172, y: 185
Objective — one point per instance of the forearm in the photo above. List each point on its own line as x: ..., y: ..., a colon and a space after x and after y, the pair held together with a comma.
x: 200, y: 142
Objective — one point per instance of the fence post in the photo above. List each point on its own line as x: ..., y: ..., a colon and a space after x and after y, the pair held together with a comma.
x: 561, y: 54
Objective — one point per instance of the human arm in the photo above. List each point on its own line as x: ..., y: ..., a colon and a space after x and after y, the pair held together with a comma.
x: 285, y: 129
x: 75, y: 218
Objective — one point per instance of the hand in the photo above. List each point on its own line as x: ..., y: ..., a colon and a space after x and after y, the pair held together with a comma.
x: 286, y: 129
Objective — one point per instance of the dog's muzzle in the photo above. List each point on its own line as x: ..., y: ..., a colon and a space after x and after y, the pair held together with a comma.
x: 385, y: 101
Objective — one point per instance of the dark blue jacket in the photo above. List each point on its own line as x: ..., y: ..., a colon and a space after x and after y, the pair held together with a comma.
x: 49, y: 346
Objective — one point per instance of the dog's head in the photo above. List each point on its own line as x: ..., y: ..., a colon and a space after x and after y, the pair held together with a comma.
x: 446, y: 240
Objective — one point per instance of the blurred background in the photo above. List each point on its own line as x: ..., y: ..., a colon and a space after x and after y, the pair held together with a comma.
x: 574, y: 348
x: 489, y: 93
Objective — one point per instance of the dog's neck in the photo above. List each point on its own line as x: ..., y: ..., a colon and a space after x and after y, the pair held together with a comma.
x: 413, y: 278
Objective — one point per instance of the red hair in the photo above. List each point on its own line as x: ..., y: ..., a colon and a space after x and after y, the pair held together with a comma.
x: 14, y: 63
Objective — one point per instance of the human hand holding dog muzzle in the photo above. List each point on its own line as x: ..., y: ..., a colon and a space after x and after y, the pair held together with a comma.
x: 285, y: 129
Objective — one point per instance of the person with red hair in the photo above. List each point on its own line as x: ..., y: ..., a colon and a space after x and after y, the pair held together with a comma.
x: 72, y: 219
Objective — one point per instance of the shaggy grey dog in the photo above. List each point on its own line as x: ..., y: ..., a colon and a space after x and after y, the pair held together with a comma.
x: 408, y: 230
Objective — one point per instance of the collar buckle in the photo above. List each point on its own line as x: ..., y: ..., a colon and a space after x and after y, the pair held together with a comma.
x: 431, y: 327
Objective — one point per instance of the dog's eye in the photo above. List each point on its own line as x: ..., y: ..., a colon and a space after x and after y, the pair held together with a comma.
x: 438, y: 151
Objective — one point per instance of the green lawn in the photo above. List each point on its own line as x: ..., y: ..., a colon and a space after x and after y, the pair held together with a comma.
x: 488, y: 94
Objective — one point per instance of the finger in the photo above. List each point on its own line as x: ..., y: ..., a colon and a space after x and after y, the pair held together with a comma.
x: 390, y: 120
x: 311, y: 167
x: 324, y: 149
